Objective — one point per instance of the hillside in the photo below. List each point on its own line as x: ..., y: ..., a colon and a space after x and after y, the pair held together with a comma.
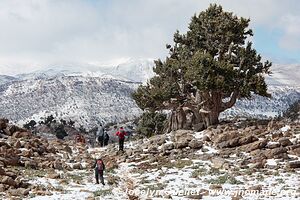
x: 238, y: 160
x: 92, y: 94
x: 86, y: 100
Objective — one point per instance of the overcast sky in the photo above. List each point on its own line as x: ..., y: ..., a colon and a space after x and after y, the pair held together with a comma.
x: 37, y: 34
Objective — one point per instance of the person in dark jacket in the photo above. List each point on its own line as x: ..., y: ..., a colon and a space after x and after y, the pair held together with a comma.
x: 99, y: 168
x: 100, y: 135
x: 121, y: 135
x: 106, y: 138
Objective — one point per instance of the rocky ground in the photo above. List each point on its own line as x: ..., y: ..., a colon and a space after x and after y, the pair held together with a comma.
x: 241, y: 160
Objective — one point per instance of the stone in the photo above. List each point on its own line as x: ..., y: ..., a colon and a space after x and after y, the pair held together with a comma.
x: 218, y: 162
x: 77, y: 166
x: 255, y: 145
x: 273, y: 145
x: 256, y: 187
x: 17, y: 144
x: 294, y: 164
x: 31, y: 164
x: 4, y: 144
x: 195, y: 144
x: 285, y: 142
x: 57, y: 165
x: 215, y: 187
x: 182, y: 144
x: 168, y: 147
x: 8, y: 181
x: 206, y: 138
x: 19, y: 134
x: 2, y: 188
x: 271, y: 153
x: 68, y: 149
x: 12, y: 161
x: 53, y: 175
x: 2, y: 171
x: 226, y: 136
x: 181, y: 135
x: 199, y: 127
x: 19, y: 192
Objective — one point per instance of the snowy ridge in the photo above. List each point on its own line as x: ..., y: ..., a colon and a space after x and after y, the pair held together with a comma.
x: 263, y: 107
x: 93, y: 94
x: 86, y: 100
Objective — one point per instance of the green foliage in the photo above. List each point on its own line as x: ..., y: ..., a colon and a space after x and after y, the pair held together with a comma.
x: 30, y: 125
x: 49, y: 120
x: 211, y: 60
x: 151, y: 123
x: 60, y: 132
x: 225, y: 179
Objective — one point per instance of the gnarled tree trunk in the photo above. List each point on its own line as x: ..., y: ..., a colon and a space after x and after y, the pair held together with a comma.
x: 177, y: 120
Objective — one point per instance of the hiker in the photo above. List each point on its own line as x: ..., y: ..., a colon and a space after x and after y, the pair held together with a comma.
x: 100, y: 135
x: 121, y: 135
x: 106, y: 138
x: 99, y: 168
x: 79, y: 139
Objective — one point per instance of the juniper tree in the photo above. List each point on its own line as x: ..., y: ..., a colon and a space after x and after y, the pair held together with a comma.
x: 208, y: 68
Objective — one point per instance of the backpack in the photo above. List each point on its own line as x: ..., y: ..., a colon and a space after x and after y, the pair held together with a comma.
x: 99, y: 165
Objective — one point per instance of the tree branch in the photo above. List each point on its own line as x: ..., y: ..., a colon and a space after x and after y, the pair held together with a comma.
x: 231, y: 102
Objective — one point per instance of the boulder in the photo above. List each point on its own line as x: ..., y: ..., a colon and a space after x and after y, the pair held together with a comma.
x: 19, y: 134
x: 273, y: 145
x: 8, y: 181
x: 294, y: 164
x: 180, y: 135
x: 255, y: 145
x: 17, y: 144
x: 11, y: 161
x: 168, y: 146
x: 271, y: 153
x: 31, y: 164
x: 226, y: 136
x: 19, y: 192
x: 2, y: 188
x: 77, y: 166
x: 285, y: 141
x: 2, y: 171
x: 57, y: 165
x: 183, y: 143
x: 68, y: 149
x: 4, y: 144
x: 218, y: 162
x: 256, y: 187
x: 53, y: 175
x: 195, y: 144
x: 199, y: 127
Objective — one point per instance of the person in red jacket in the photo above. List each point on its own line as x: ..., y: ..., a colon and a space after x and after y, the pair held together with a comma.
x: 121, y: 135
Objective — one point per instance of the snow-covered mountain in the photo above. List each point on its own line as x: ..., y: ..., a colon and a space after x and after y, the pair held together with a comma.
x: 88, y: 95
x: 93, y: 94
x: 136, y: 70
x: 283, y: 85
x: 86, y: 100
x: 6, y: 79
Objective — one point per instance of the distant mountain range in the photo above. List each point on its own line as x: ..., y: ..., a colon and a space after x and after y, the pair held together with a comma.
x: 88, y: 96
x: 91, y: 95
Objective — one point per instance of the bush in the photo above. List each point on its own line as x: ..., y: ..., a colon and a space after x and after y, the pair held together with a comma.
x: 30, y: 125
x: 151, y: 123
x: 60, y: 132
